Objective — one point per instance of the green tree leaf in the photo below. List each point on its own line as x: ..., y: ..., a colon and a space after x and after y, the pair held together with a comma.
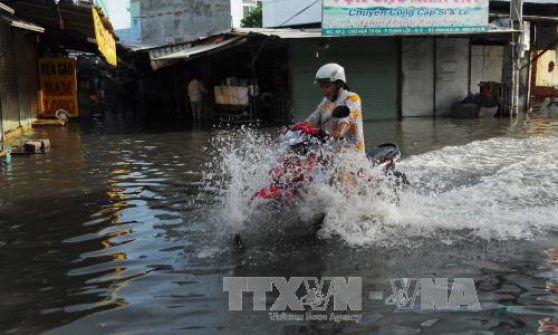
x: 253, y: 19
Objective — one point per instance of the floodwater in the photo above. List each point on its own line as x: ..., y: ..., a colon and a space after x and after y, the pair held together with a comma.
x: 127, y: 229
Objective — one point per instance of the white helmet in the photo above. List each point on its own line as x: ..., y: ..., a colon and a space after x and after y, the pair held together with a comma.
x: 330, y: 73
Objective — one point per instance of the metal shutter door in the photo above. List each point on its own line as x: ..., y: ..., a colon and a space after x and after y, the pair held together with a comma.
x: 371, y: 66
x: 8, y: 79
x: 23, y: 85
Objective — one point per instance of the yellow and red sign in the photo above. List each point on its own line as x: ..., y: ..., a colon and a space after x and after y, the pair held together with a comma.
x: 105, y: 40
x: 58, y: 83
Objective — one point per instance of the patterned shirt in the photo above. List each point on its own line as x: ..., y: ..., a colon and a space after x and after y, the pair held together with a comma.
x: 355, y: 134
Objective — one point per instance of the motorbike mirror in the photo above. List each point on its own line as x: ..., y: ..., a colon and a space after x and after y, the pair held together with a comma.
x: 341, y: 111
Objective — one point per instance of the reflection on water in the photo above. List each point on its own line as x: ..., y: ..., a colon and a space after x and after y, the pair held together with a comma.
x: 115, y: 232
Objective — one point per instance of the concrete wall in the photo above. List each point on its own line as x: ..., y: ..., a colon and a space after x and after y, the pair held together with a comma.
x: 432, y: 89
x: 174, y: 21
x: 236, y: 12
x: 276, y: 12
x: 418, y: 76
x: 132, y: 35
x: 452, y: 73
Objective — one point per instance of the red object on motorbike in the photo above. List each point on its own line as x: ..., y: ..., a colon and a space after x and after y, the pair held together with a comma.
x: 273, y: 192
x: 548, y: 326
x: 306, y: 128
x: 287, y: 177
x: 293, y: 169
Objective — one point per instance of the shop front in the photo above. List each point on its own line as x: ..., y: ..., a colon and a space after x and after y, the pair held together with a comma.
x: 371, y: 65
x: 18, y: 71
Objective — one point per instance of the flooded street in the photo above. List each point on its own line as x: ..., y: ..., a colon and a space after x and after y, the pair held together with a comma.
x: 125, y: 229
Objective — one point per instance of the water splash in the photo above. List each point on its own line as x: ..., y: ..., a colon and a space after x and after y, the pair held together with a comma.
x: 243, y: 158
x: 501, y: 188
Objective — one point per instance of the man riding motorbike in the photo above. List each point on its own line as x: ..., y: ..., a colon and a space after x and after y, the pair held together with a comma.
x: 332, y: 81
x: 339, y: 115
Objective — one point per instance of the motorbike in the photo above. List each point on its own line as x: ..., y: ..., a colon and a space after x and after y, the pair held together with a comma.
x: 302, y: 157
x: 309, y: 149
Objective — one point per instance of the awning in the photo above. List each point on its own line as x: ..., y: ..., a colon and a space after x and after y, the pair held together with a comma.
x: 161, y: 57
x: 200, y: 48
x: 64, y: 17
x: 166, y: 55
x: 134, y: 46
x: 7, y: 14
x: 6, y: 9
x: 18, y: 23
x: 158, y: 52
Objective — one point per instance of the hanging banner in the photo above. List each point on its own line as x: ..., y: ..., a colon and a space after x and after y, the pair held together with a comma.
x: 404, y: 17
x: 105, y: 40
x: 58, y: 86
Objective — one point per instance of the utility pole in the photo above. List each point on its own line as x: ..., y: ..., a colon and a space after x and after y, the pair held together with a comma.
x: 516, y: 16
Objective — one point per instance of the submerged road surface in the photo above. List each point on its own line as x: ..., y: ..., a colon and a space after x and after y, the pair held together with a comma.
x: 127, y: 230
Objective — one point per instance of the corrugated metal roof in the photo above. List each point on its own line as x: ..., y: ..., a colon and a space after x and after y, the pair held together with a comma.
x: 63, y: 16
x: 6, y: 8
x: 162, y: 57
x: 198, y: 49
x: 159, y: 52
x: 7, y: 14
x: 18, y: 23
x: 135, y: 46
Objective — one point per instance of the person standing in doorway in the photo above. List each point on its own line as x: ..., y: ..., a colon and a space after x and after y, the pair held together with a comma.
x: 196, y: 92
